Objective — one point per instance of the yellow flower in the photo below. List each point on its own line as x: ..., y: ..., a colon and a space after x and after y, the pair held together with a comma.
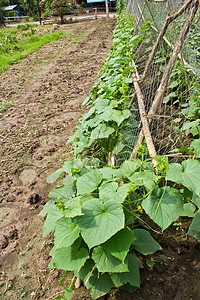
x: 140, y: 209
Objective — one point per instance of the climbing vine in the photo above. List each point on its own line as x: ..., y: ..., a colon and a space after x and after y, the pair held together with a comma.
x: 96, y: 213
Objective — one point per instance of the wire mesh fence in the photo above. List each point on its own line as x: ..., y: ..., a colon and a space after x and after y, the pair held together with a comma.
x: 181, y: 89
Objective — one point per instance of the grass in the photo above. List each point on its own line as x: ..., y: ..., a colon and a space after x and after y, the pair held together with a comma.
x: 79, y: 37
x: 16, y: 49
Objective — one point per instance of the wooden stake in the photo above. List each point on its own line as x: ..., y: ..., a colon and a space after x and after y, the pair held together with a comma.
x: 166, y: 74
x: 143, y: 116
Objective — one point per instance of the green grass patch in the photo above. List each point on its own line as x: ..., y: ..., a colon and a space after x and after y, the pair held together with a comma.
x: 14, y: 49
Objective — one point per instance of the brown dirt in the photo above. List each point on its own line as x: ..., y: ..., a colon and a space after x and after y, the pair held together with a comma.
x: 46, y: 90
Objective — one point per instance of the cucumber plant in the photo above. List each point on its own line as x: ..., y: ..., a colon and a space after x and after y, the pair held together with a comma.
x: 96, y: 214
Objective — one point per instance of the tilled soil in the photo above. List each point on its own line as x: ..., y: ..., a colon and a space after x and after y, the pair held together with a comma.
x: 46, y: 91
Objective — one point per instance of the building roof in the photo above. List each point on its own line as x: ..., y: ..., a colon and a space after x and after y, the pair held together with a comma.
x: 9, y: 7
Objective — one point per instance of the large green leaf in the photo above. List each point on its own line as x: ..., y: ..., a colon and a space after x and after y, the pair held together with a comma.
x: 105, y: 262
x: 110, y: 173
x: 188, y: 174
x: 119, y: 244
x: 100, y: 221
x: 129, y: 166
x: 101, y: 105
x: 70, y: 259
x: 101, y: 131
x: 132, y: 277
x: 194, y: 229
x: 115, y: 115
x: 108, y: 192
x: 163, y: 206
x: 62, y: 193
x: 73, y: 209
x: 66, y: 232
x: 144, y: 242
x: 53, y: 215
x: 145, y: 178
x: 88, y: 182
x: 97, y: 283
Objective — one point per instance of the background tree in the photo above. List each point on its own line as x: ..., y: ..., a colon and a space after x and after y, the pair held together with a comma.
x: 29, y: 7
x: 59, y: 5
x: 2, y: 11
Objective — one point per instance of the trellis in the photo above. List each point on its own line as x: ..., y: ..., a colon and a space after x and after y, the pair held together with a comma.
x: 170, y: 23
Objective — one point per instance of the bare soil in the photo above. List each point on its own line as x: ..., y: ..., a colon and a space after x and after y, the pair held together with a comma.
x: 46, y: 91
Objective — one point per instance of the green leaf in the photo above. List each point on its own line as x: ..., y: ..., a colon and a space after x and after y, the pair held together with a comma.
x: 194, y: 229
x: 132, y: 277
x: 130, y: 166
x: 168, y: 97
x: 195, y: 145
x: 101, y: 132
x: 62, y: 193
x: 47, y: 208
x: 73, y: 209
x: 101, y: 105
x: 70, y: 258
x: 67, y: 166
x: 66, y: 232
x: 88, y: 182
x: 189, y: 125
x: 115, y: 115
x: 110, y: 173
x: 69, y: 180
x: 118, y: 148
x: 144, y: 242
x: 187, y: 173
x: 122, y: 192
x: 128, y: 80
x: 54, y: 176
x: 145, y: 178
x: 108, y: 191
x: 68, y: 293
x: 119, y: 244
x: 174, y: 84
x: 163, y: 206
x: 53, y: 215
x: 97, y: 283
x: 188, y: 210
x: 100, y: 221
x: 105, y: 262
x: 86, y: 100
x: 135, y: 39
x: 196, y: 200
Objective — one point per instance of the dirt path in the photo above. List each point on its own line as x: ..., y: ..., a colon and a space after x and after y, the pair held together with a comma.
x: 46, y: 90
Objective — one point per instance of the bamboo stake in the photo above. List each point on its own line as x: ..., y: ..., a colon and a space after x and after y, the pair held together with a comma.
x: 166, y: 74
x: 168, y: 20
x: 143, y: 115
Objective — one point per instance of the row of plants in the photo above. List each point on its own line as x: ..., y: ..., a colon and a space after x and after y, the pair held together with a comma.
x: 96, y: 213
